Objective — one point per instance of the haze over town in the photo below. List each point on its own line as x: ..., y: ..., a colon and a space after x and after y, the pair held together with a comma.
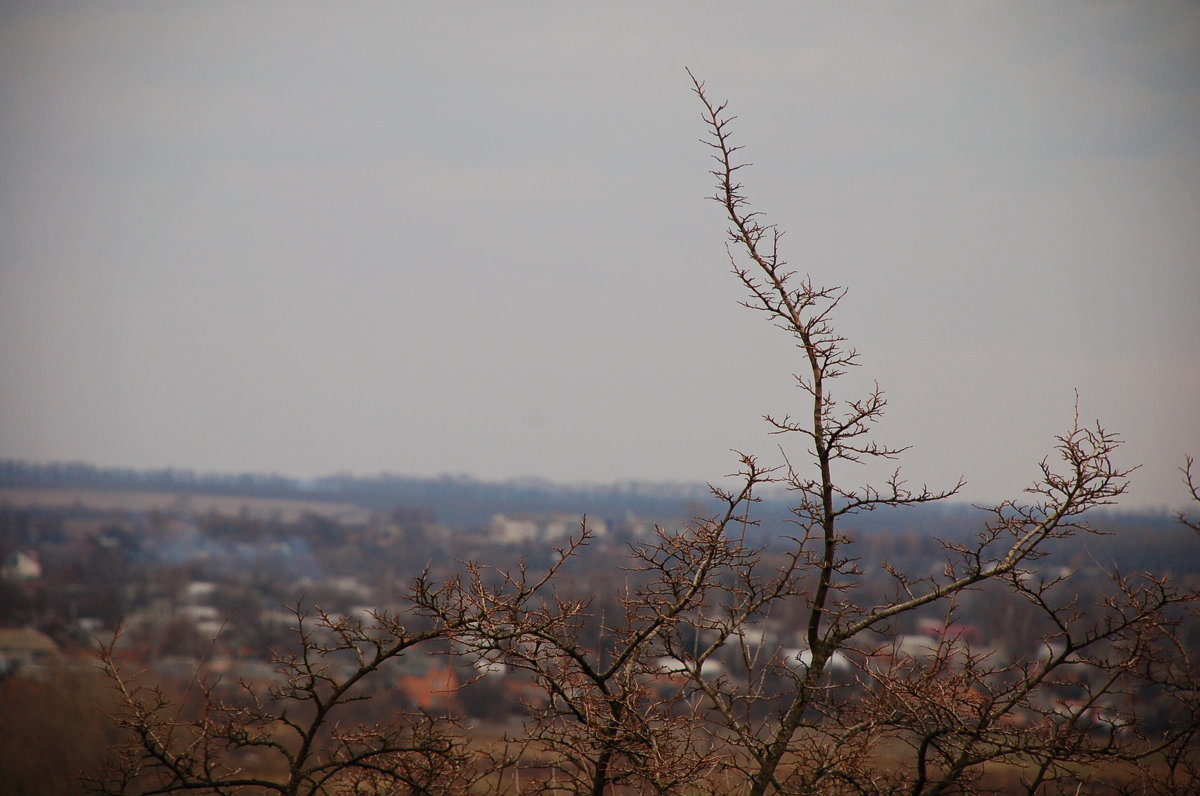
x: 307, y: 238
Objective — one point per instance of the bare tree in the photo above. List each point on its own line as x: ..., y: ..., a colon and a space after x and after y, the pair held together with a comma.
x: 603, y: 722
x: 960, y: 709
x: 286, y: 737
x: 1194, y: 491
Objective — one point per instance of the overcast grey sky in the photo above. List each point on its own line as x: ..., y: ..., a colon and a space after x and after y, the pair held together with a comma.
x: 472, y: 237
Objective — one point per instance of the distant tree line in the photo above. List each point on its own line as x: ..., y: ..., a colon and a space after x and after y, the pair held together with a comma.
x: 17, y: 472
x: 454, y: 500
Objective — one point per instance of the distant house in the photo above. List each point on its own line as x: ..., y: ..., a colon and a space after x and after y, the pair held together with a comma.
x: 205, y: 619
x: 21, y: 566
x: 666, y: 665
x: 429, y: 684
x: 934, y: 627
x: 25, y: 652
x: 919, y: 647
x: 199, y: 591
x: 541, y: 528
x: 800, y: 658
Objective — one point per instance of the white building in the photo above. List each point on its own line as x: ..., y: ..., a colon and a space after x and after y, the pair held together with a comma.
x: 542, y: 528
x: 19, y: 565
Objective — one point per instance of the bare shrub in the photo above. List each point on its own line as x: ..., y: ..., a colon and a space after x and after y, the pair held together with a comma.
x: 734, y: 667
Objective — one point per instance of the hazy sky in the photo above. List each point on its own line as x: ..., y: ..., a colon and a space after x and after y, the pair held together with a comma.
x: 472, y: 237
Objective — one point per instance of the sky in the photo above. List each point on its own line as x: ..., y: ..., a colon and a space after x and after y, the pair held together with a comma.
x: 473, y: 238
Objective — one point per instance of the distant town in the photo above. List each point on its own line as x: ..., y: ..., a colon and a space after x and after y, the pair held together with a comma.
x: 208, y: 575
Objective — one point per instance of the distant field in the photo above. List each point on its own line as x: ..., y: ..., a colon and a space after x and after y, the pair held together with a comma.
x: 134, y: 500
